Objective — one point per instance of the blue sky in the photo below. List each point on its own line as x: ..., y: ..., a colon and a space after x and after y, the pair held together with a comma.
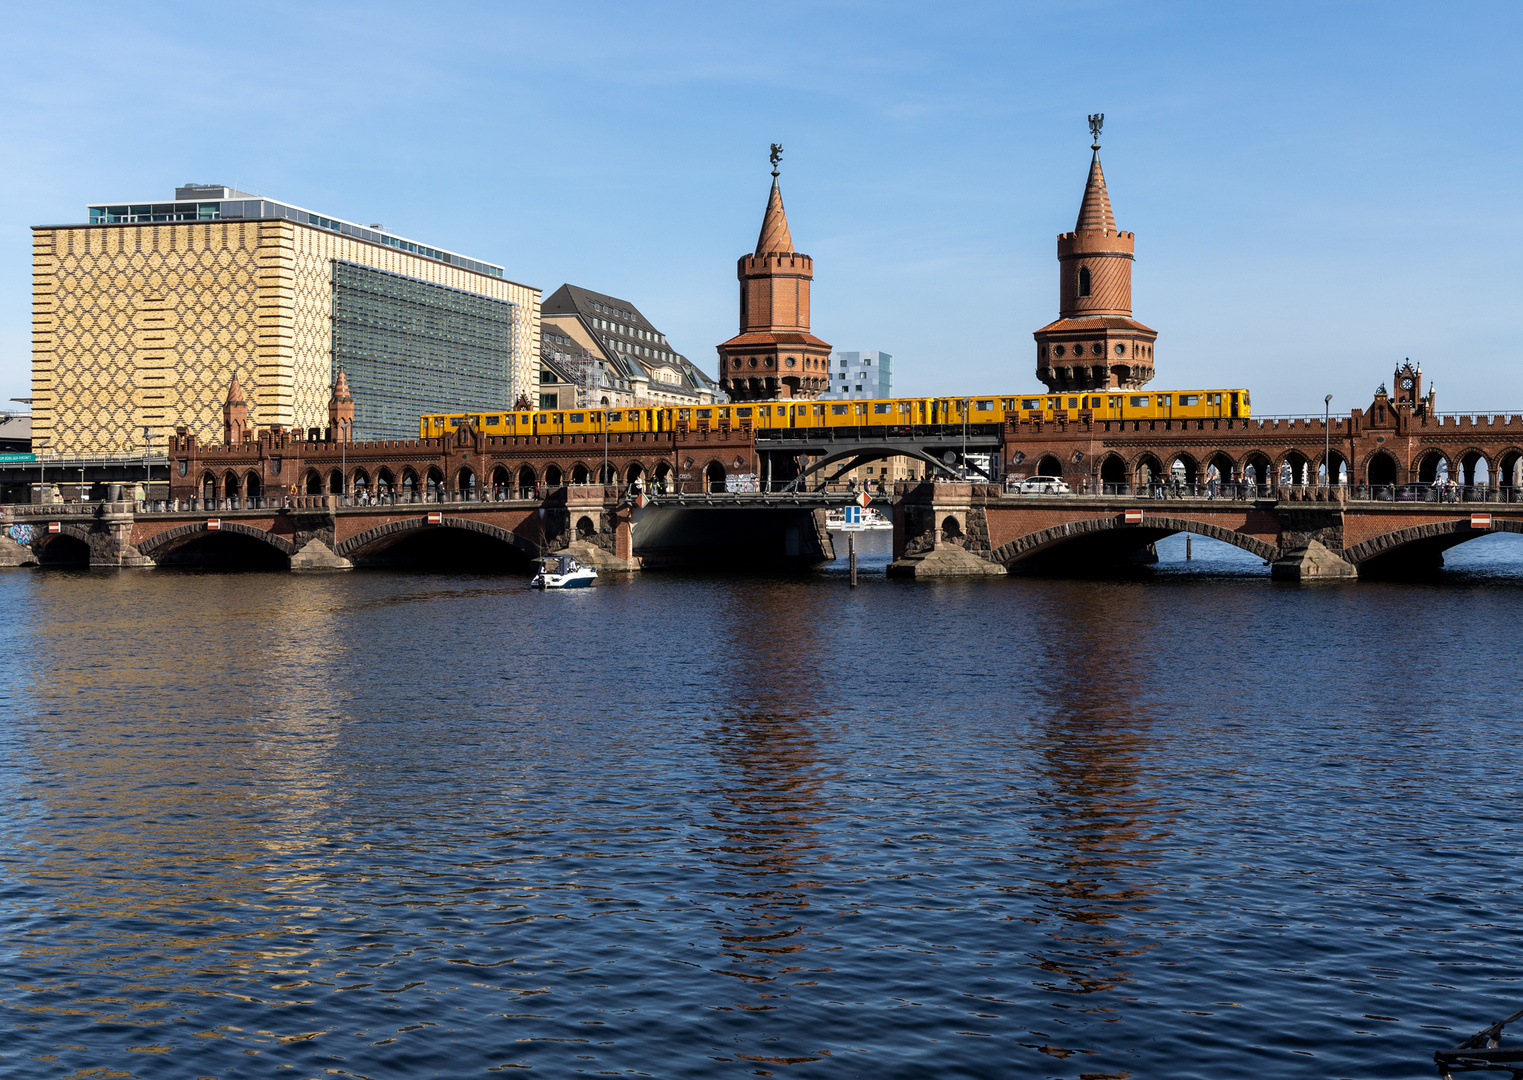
x: 1318, y: 189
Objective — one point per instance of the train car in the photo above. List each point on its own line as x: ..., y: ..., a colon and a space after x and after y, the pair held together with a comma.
x: 871, y: 412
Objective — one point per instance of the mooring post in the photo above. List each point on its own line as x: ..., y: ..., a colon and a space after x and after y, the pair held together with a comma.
x: 1187, y: 546
x: 851, y: 553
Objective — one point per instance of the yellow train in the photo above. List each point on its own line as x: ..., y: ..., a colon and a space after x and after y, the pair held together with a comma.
x: 874, y: 412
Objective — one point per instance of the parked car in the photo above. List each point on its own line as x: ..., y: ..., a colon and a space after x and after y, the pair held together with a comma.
x: 1043, y: 485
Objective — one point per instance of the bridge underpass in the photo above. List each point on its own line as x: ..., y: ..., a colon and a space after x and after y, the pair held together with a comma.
x: 809, y: 459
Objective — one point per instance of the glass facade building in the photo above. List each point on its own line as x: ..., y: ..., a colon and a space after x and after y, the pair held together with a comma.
x: 410, y: 347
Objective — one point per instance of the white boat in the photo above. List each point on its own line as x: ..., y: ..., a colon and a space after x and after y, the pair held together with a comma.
x: 872, y: 518
x: 563, y: 572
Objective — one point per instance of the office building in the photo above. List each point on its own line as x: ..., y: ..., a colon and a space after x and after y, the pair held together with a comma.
x: 600, y: 350
x: 144, y: 316
x: 858, y: 375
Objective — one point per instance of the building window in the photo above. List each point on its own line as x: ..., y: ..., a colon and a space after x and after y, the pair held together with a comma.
x: 1083, y: 281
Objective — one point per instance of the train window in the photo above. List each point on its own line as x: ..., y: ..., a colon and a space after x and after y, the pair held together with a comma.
x: 1054, y: 403
x: 904, y: 406
x: 683, y: 414
x: 1031, y: 403
x: 724, y: 414
x: 1007, y: 404
x: 1163, y: 401
x: 703, y: 414
x: 454, y: 421
x: 1114, y: 403
x: 984, y: 406
x: 839, y: 410
x: 1213, y: 399
x: 494, y: 421
x: 861, y: 410
x: 1073, y: 403
x: 882, y: 406
x: 739, y: 413
x: 819, y: 410
x: 615, y: 417
x: 1245, y: 397
x: 576, y: 418
x: 1139, y: 402
x: 1189, y: 399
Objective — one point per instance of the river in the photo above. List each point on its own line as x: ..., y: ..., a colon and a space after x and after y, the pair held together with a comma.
x: 1193, y: 824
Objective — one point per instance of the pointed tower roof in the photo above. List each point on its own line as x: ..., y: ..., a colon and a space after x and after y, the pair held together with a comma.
x: 1095, y: 211
x: 235, y: 393
x: 341, y: 388
x: 775, y: 236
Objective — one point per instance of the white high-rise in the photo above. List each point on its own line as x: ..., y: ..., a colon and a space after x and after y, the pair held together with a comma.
x: 858, y: 375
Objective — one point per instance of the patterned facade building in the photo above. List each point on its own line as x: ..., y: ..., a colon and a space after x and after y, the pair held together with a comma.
x: 1095, y: 344
x: 774, y: 355
x: 143, y: 317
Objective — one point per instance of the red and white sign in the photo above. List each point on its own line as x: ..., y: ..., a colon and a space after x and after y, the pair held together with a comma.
x: 54, y: 526
x: 436, y: 517
x: 214, y: 524
x: 1480, y: 521
x: 643, y: 501
x: 863, y: 499
x: 1134, y: 517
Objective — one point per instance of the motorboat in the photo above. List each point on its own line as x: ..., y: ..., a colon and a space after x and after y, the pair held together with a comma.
x: 563, y: 572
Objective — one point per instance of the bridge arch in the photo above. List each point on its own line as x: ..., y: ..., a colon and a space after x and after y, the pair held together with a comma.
x: 1419, y: 547
x: 479, y: 539
x: 1510, y: 467
x: 1380, y: 468
x: 69, y: 546
x: 1153, y: 527
x: 1113, y: 471
x: 232, y: 542
x: 1146, y: 469
x: 1431, y: 465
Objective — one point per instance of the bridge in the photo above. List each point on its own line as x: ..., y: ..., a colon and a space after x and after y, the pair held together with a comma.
x: 941, y: 529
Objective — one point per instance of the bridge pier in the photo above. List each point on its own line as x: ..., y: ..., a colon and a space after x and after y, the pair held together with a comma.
x: 942, y: 530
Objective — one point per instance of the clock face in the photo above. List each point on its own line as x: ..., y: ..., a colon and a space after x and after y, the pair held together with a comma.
x: 1406, y: 384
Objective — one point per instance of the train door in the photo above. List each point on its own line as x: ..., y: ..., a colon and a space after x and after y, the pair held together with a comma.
x: 1234, y: 405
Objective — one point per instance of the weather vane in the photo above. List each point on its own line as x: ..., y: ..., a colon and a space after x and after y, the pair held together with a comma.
x: 1096, y: 122
x: 777, y: 155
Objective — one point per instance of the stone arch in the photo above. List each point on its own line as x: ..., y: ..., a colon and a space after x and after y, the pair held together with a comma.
x: 231, y: 488
x: 1049, y: 465
x: 1294, y: 463
x: 580, y: 474
x: 167, y: 541
x: 69, y: 546
x: 208, y: 486
x: 1226, y: 468
x: 714, y: 474
x: 384, y: 480
x: 1259, y: 463
x: 253, y: 484
x: 502, y: 479
x: 359, y: 481
x: 1474, y: 467
x: 1380, y: 468
x: 382, y: 536
x: 1113, y: 473
x: 585, y: 529
x: 1431, y: 465
x: 1160, y: 525
x: 554, y: 476
x: 1147, y: 469
x: 608, y: 474
x: 335, y: 482
x: 951, y: 529
x: 1190, y: 467
x: 1510, y: 467
x: 313, y: 484
x: 465, y: 479
x: 1334, y: 470
x: 1438, y: 536
x: 633, y: 472
x: 435, y: 478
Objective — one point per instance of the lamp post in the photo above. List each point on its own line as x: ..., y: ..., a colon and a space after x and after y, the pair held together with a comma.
x: 37, y: 445
x: 1327, y: 439
x: 965, y: 403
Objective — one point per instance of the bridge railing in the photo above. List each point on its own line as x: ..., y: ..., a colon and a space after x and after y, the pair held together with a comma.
x: 1437, y: 493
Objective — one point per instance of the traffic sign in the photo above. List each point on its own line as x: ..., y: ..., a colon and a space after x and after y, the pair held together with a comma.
x: 1134, y: 517
x: 1480, y: 521
x: 863, y: 499
x: 436, y: 517
x: 851, y: 519
x: 54, y: 526
x: 214, y: 524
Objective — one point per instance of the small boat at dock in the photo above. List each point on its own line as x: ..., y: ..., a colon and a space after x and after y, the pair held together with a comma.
x: 563, y: 572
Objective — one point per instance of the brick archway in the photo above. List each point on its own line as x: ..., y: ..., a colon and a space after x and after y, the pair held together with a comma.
x: 383, y: 536
x: 41, y: 539
x: 1447, y: 534
x: 169, y: 539
x: 1027, y: 545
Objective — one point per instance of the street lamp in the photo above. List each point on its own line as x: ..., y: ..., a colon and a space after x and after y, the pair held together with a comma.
x: 965, y: 403
x: 37, y: 445
x: 1327, y: 465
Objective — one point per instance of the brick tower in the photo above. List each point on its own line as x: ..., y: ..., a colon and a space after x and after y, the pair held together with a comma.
x: 341, y: 411
x: 774, y: 355
x: 235, y: 414
x: 1095, y: 344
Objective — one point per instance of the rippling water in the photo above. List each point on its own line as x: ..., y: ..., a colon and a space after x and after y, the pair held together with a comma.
x: 381, y: 825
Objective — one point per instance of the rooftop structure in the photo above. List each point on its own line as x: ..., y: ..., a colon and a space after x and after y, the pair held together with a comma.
x: 1095, y: 344
x: 214, y: 202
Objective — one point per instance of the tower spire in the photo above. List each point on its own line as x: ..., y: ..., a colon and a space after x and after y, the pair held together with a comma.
x: 774, y: 236
x: 1095, y: 209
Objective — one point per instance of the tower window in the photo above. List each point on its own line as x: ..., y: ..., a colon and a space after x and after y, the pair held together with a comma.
x: 1083, y: 281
